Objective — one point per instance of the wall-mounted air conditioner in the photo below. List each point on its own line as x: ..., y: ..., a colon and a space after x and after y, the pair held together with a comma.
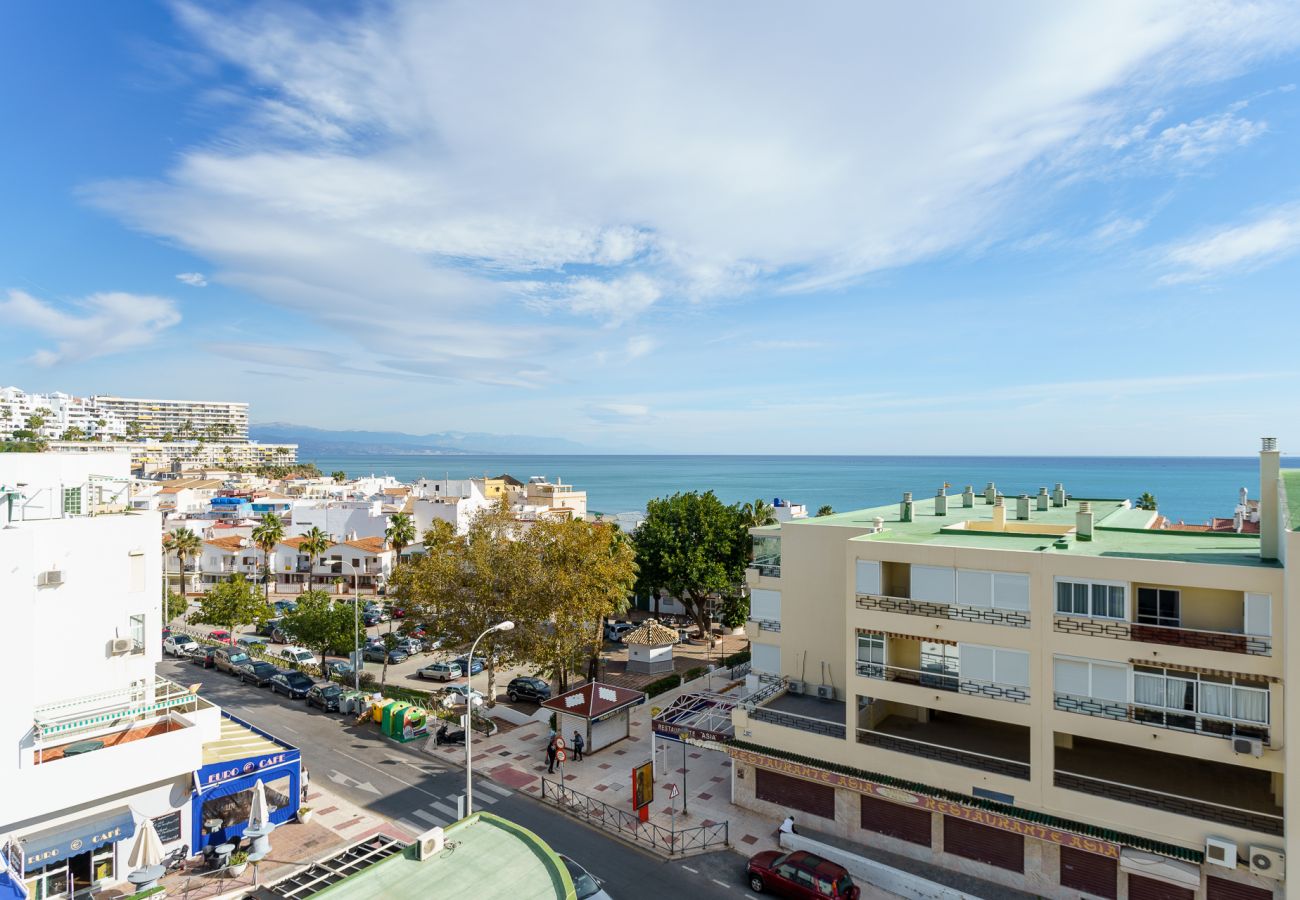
x: 794, y: 687
x: 430, y: 842
x: 49, y: 578
x: 118, y: 646
x: 825, y: 692
x: 1221, y: 852
x: 1248, y: 746
x: 1267, y: 861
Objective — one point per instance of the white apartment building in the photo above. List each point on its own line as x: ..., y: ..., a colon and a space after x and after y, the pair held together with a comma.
x: 95, y: 742
x: 365, y: 518
x: 58, y: 414
x: 218, y: 420
x: 153, y: 457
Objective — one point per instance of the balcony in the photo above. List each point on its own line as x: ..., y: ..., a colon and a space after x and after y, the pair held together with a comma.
x: 766, y: 556
x: 1194, y: 638
x: 1197, y: 722
x: 945, y: 681
x: 952, y: 611
x: 967, y: 741
x: 804, y: 713
x: 1183, y: 785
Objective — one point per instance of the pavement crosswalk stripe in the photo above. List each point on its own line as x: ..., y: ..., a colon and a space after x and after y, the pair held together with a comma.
x: 432, y: 820
x: 445, y: 810
x: 496, y: 788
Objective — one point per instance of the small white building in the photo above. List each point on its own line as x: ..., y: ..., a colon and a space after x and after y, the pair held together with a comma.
x: 601, y: 713
x: 650, y: 647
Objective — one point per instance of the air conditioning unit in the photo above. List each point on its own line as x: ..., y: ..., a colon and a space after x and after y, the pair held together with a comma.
x: 118, y: 646
x: 825, y: 692
x: 795, y: 687
x: 1248, y: 746
x: 1221, y: 852
x: 50, y: 578
x: 430, y: 842
x: 1267, y: 861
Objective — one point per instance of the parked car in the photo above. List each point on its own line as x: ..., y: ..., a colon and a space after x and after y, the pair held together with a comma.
x: 799, y: 874
x: 585, y: 885
x: 268, y: 627
x: 528, y: 688
x: 442, y: 671
x: 463, y: 661
x: 279, y: 635
x: 166, y: 632
x: 375, y: 653
x: 249, y: 641
x: 614, y: 631
x: 377, y: 609
x: 325, y: 696
x: 284, y: 606
x: 337, y: 667
x: 179, y: 645
x: 398, y: 612
x: 299, y: 655
x: 369, y: 617
x: 293, y: 685
x: 410, y: 645
x: 227, y: 658
x: 257, y: 672
x: 461, y: 691
x: 205, y: 657
x: 220, y: 634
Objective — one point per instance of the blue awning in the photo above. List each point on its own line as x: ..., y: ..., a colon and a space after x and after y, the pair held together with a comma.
x: 49, y: 846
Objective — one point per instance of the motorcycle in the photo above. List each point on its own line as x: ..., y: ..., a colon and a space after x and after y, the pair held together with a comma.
x: 442, y: 736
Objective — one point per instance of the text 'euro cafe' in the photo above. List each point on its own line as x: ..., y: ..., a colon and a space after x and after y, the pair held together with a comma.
x: 929, y: 804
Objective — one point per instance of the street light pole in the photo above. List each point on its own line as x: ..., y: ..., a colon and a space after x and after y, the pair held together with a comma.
x: 507, y: 625
x: 356, y: 633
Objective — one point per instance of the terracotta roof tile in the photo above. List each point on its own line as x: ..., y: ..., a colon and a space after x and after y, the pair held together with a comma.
x: 594, y: 699
x: 651, y: 634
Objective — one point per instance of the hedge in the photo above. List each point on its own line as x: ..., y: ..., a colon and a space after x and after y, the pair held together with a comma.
x: 735, y: 659
x: 663, y: 685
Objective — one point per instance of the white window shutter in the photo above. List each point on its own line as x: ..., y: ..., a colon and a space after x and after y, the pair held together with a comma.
x: 1259, y: 614
x: 976, y: 662
x: 934, y: 583
x: 868, y: 578
x: 975, y: 588
x: 1011, y: 591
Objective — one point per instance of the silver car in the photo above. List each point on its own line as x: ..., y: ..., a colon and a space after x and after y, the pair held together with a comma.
x: 439, y: 671
x: 585, y: 885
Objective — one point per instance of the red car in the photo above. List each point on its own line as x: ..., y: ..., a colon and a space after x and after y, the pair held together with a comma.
x: 799, y: 874
x: 221, y: 635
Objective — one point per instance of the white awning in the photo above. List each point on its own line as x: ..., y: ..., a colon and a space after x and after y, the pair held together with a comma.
x: 1161, y: 868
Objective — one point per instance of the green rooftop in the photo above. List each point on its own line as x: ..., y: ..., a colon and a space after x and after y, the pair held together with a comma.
x: 1118, y: 530
x: 486, y: 858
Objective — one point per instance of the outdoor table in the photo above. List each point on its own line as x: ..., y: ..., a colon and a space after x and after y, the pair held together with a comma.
x: 82, y: 747
x: 143, y: 879
x: 223, y: 852
x: 260, y: 835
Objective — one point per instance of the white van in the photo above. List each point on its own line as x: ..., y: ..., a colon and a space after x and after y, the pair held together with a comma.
x: 298, y: 655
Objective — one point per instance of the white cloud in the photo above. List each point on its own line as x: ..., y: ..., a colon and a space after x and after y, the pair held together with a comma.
x: 1270, y: 236
x: 618, y: 413
x: 98, y: 325
x: 639, y: 346
x: 193, y: 279
x: 411, y: 170
x: 1208, y: 136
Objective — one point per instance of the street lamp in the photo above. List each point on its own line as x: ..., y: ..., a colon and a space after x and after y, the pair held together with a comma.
x: 356, y: 630
x: 507, y: 625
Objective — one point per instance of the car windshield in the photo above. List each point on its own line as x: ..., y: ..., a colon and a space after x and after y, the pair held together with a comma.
x: 583, y: 884
x: 298, y: 679
x: 331, y: 691
x: 263, y: 668
x: 239, y: 657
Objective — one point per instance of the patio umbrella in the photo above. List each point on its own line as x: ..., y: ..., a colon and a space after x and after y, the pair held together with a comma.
x: 258, y: 812
x: 147, y: 851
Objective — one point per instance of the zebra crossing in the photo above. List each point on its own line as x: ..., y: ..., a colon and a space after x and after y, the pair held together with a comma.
x: 443, y: 809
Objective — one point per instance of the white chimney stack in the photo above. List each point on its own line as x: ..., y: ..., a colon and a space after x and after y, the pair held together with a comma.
x: 1270, y: 465
x: 1058, y: 495
x: 990, y: 493
x: 1022, y: 507
x: 968, y: 496
x: 1044, y: 501
x: 941, y: 501
x: 1083, y: 522
x: 999, y: 513
x: 905, y: 508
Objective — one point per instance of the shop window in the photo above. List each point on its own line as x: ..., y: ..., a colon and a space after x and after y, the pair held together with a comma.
x: 794, y: 793
x: 233, y: 809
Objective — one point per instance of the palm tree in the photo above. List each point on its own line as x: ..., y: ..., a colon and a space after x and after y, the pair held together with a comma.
x: 758, y: 514
x: 339, y: 476
x: 400, y: 533
x: 1146, y: 501
x: 268, y: 533
x: 314, y: 543
x: 184, y: 543
x: 825, y: 511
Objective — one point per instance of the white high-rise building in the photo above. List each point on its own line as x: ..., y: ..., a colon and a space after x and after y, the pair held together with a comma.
x: 56, y: 416
x: 214, y: 420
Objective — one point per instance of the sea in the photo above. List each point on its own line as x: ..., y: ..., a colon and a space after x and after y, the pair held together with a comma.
x: 1190, y: 489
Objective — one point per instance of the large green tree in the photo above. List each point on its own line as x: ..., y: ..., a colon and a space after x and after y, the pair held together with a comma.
x: 232, y: 604
x: 695, y: 547
x: 320, y: 623
x: 268, y: 532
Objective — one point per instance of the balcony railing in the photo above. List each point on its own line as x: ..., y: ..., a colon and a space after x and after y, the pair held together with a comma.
x: 98, y: 712
x: 1174, y: 720
x: 969, y: 758
x: 1013, y: 618
x: 1266, y: 823
x: 802, y: 723
x: 945, y: 681
x: 767, y: 566
x: 1195, y: 638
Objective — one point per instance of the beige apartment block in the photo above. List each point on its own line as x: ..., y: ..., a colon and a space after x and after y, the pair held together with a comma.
x: 1059, y: 694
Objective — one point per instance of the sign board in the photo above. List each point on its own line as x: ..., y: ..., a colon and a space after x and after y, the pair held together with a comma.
x: 559, y: 743
x: 673, y: 791
x: 655, y: 711
x: 561, y: 756
x: 168, y: 827
x: 643, y: 785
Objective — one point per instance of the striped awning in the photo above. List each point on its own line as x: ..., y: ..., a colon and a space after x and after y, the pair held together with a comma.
x: 1201, y: 670
x: 108, y: 718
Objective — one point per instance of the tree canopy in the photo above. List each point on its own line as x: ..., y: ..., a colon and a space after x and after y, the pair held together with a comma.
x: 695, y: 547
x: 321, y: 624
x: 825, y: 510
x: 232, y: 604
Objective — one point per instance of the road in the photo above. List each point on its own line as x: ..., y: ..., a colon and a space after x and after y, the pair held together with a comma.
x: 401, y: 784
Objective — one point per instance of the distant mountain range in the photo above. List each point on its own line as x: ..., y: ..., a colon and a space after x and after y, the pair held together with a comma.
x: 324, y: 442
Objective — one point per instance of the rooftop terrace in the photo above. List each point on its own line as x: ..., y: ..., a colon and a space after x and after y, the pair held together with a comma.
x: 1119, y: 530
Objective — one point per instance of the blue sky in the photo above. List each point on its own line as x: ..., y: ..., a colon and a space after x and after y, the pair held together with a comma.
x: 1040, y: 228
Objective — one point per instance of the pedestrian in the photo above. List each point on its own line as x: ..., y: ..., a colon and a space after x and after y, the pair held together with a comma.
x: 578, y: 744
x: 550, y: 756
x: 787, y: 827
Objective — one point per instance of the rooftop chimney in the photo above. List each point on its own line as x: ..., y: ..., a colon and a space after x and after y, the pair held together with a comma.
x: 1022, y: 507
x: 1270, y: 463
x: 968, y: 496
x: 1043, y: 500
x: 1058, y: 495
x: 941, y: 501
x: 999, y: 513
x: 990, y: 492
x: 905, y: 508
x: 1083, y: 522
